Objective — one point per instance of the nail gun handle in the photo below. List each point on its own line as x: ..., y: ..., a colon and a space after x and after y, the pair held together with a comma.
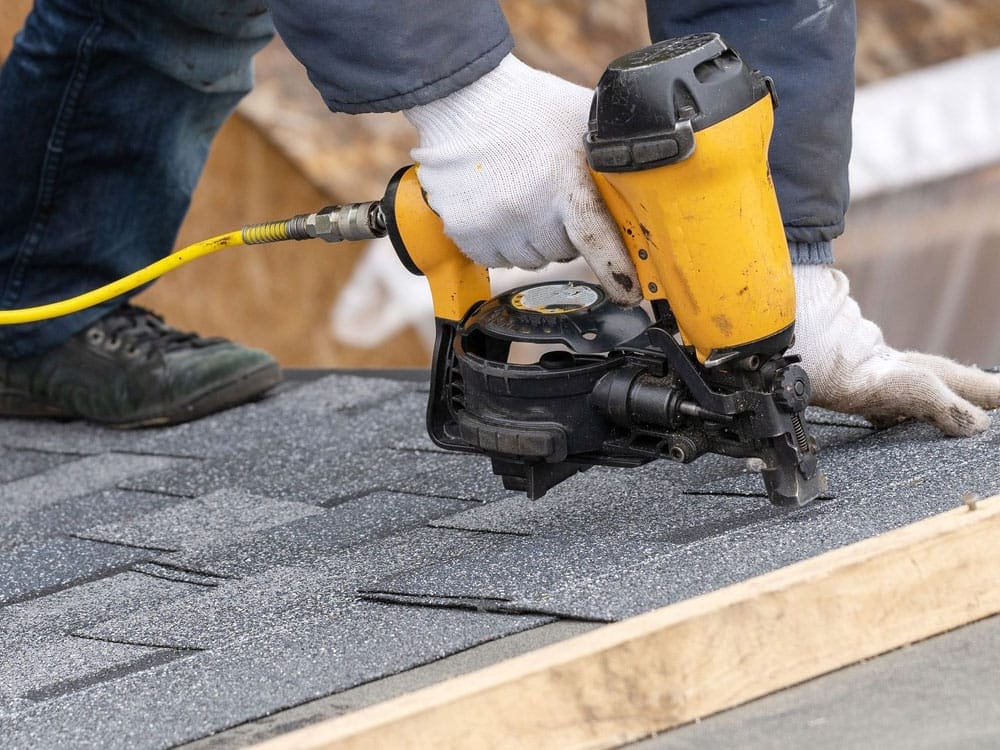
x: 417, y: 233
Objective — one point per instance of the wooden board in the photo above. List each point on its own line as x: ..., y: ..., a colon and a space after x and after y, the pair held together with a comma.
x: 628, y: 680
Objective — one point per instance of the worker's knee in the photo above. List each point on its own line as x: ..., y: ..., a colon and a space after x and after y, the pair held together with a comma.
x: 205, y: 44
x: 235, y: 20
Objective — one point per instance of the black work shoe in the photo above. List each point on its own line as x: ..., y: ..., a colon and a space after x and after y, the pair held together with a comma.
x: 130, y: 369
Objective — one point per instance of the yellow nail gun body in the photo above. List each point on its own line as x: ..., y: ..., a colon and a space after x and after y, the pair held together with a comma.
x: 705, y: 234
x: 677, y: 144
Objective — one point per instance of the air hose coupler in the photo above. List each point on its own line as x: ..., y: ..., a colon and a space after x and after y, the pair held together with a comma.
x: 352, y: 221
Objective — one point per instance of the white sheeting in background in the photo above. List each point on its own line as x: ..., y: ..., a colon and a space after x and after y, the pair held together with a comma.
x: 927, y: 125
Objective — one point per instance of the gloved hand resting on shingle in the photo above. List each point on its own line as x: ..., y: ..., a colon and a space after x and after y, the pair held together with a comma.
x: 503, y: 164
x: 852, y: 370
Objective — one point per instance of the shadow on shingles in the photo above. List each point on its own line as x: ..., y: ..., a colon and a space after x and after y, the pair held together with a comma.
x: 485, y: 604
x: 74, y: 685
x: 698, y: 532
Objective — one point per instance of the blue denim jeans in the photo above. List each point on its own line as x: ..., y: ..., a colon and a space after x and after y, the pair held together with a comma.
x: 107, y: 110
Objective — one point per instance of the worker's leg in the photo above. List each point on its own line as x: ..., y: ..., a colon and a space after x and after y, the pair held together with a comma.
x: 807, y: 47
x: 107, y: 109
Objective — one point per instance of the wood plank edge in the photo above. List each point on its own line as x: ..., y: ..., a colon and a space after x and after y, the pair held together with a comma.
x: 629, y: 679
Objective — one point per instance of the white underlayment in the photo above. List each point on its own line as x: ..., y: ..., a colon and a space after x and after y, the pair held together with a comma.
x: 927, y: 125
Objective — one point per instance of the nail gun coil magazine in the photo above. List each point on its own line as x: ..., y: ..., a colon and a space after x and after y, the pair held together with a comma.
x: 574, y: 314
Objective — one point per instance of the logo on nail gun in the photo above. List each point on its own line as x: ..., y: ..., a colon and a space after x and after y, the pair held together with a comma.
x: 555, y: 298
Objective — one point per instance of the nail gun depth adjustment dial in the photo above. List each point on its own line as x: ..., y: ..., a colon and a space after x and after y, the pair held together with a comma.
x: 574, y: 313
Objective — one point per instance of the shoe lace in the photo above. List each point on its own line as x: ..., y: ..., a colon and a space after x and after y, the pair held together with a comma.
x: 144, y: 332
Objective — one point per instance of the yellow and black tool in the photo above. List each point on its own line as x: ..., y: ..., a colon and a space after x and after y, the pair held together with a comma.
x: 677, y: 144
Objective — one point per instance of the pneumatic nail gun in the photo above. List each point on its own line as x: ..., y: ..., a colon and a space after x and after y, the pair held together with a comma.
x: 677, y: 144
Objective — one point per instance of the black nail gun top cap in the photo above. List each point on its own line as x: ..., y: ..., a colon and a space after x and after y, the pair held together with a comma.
x: 649, y: 103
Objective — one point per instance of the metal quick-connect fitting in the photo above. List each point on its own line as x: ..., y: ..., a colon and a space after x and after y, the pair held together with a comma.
x: 354, y: 221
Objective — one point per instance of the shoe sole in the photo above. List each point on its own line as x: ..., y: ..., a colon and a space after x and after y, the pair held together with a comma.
x: 19, y: 405
x: 220, y: 396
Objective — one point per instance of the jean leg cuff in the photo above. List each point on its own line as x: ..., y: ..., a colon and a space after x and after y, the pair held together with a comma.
x: 811, y: 253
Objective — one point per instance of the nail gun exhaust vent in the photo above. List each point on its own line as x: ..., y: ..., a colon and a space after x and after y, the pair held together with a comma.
x: 649, y: 103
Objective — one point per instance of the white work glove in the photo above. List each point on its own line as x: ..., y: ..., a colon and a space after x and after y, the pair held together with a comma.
x: 852, y: 370
x: 503, y: 164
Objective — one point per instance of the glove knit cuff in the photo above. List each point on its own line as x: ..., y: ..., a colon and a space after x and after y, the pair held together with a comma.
x: 811, y: 253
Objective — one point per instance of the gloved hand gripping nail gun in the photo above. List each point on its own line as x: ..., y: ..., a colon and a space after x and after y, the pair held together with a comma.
x: 677, y: 144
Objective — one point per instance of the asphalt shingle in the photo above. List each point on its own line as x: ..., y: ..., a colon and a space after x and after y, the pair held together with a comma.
x: 72, y: 514
x: 15, y: 464
x: 226, y: 568
x: 73, y: 479
x: 57, y: 563
x: 253, y: 676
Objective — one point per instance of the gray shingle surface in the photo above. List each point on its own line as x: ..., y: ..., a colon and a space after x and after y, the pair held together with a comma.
x: 326, y: 474
x: 316, y: 540
x: 72, y: 514
x: 60, y: 562
x: 73, y: 479
x: 191, y: 524
x: 254, y: 675
x: 282, y: 593
x: 15, y: 464
x: 309, y: 540
x: 51, y: 668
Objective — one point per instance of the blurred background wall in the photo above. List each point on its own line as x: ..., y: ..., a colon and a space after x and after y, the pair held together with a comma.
x: 921, y: 248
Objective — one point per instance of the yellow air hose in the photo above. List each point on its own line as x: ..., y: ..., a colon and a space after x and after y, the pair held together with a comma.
x: 354, y: 221
x: 122, y: 285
